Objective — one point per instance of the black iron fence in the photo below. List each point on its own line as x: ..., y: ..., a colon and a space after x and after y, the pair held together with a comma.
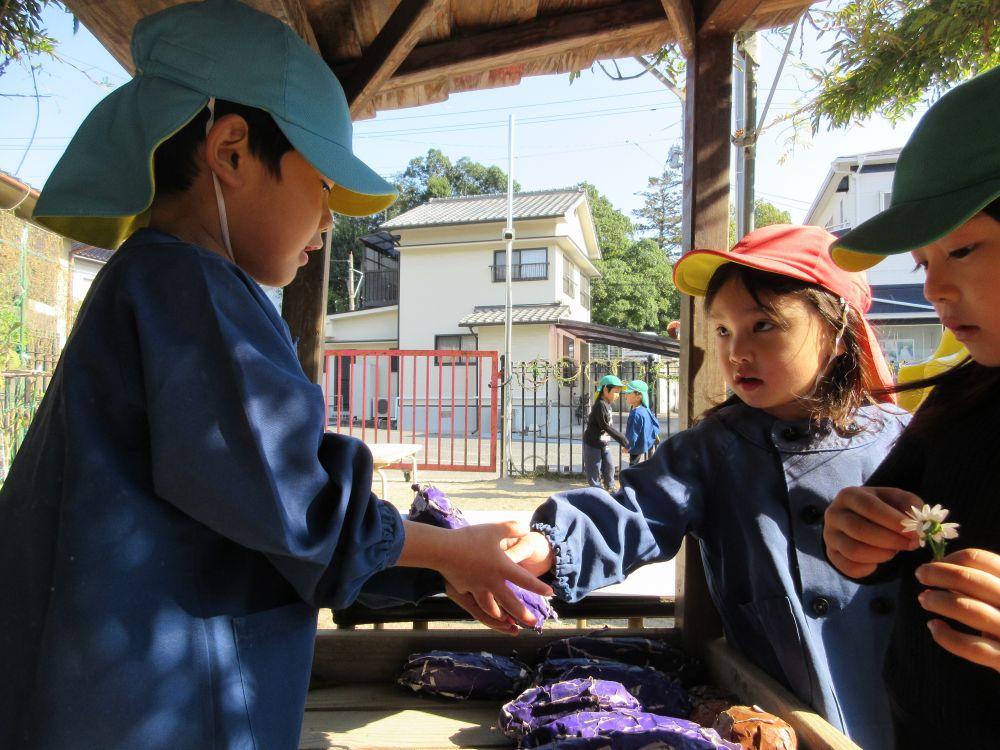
x: 551, y: 401
x: 22, y: 384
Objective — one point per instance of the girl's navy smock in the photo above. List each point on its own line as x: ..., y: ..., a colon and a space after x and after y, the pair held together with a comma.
x: 174, y: 519
x: 752, y: 490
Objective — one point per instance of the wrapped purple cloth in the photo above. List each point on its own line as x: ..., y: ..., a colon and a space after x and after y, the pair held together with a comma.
x: 657, y: 692
x: 677, y: 734
x: 644, y: 652
x: 654, y: 739
x: 456, y: 674
x: 430, y: 506
x: 540, y: 705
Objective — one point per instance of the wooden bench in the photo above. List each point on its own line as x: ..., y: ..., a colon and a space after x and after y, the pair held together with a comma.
x: 385, y: 455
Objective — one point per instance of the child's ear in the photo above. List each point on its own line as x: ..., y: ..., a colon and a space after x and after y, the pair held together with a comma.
x: 227, y: 148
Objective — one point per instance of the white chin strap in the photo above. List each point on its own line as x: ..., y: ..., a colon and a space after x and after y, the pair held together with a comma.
x: 223, y: 221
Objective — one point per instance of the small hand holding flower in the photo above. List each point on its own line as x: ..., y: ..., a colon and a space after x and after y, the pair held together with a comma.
x: 965, y: 587
x: 928, y: 524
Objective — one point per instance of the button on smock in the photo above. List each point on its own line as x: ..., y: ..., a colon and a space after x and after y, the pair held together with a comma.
x: 811, y: 514
x: 820, y: 606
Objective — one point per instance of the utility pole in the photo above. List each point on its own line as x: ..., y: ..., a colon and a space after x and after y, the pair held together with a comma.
x: 508, y: 371
x: 745, y: 138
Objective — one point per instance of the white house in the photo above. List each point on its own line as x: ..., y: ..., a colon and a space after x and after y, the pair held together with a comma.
x: 856, y: 188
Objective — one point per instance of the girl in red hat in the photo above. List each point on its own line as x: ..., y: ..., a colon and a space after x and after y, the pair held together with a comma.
x: 752, y: 479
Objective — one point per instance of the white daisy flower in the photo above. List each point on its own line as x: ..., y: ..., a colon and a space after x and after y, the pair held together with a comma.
x: 929, y: 526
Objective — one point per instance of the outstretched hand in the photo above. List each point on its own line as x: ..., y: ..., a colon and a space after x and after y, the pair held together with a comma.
x: 863, y: 528
x: 965, y: 587
x: 476, y: 569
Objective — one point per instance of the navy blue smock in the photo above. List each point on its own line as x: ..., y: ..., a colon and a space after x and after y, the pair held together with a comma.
x: 174, y: 519
x: 752, y: 490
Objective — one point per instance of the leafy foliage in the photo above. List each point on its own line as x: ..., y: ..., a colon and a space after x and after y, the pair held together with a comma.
x: 764, y: 215
x: 434, y: 176
x: 662, y: 210
x: 889, y: 53
x: 635, y: 290
x: 21, y: 30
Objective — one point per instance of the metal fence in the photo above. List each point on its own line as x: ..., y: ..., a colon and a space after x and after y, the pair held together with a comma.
x: 21, y: 391
x: 551, y: 402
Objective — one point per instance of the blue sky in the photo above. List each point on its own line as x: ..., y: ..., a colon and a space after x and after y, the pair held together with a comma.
x: 613, y: 134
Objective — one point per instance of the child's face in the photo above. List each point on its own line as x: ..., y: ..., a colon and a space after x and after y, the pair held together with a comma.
x: 633, y: 398
x: 279, y: 221
x: 963, y: 284
x: 610, y: 393
x: 768, y: 362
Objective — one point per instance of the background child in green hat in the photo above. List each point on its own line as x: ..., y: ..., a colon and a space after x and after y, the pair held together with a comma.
x: 643, y: 428
x: 942, y: 666
x: 177, y: 514
x: 598, y: 464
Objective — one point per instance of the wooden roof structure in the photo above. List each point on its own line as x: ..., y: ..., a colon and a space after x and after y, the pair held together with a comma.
x: 403, y: 53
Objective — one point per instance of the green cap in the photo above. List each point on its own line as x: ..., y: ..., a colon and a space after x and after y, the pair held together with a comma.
x: 609, y: 380
x: 639, y: 386
x: 102, y: 188
x: 948, y: 171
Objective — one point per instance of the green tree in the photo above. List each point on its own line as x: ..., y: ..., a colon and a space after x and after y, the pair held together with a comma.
x: 21, y: 32
x: 435, y: 176
x: 887, y: 54
x: 764, y: 214
x: 662, y: 209
x: 635, y: 290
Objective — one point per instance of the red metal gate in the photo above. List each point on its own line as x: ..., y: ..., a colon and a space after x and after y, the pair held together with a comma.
x: 446, y: 401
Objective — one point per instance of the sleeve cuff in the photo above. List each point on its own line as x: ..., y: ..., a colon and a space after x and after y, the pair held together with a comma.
x: 564, y: 565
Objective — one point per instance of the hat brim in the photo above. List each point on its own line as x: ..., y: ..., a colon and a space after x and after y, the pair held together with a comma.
x: 694, y: 271
x: 909, y: 226
x: 101, y: 190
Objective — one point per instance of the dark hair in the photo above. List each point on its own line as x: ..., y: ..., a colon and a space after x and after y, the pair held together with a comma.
x: 174, y: 166
x: 959, y: 393
x: 993, y: 210
x: 844, y: 389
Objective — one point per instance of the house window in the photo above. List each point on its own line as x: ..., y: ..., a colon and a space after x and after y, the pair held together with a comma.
x: 569, y: 282
x: 453, y: 341
x: 570, y: 368
x: 585, y: 292
x: 530, y: 264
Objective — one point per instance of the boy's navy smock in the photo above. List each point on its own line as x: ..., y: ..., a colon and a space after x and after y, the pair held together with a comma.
x: 174, y: 518
x: 752, y: 490
x: 642, y: 430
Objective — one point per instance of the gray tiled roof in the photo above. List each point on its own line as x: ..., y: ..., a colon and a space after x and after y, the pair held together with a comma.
x: 493, y: 315
x: 83, y: 250
x: 486, y: 208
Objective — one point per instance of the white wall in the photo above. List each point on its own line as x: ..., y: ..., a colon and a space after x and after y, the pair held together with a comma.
x: 374, y: 325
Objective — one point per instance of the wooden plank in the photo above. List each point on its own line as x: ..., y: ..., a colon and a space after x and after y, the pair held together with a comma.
x: 377, y: 729
x: 681, y: 15
x: 725, y: 16
x: 544, y: 37
x: 708, y: 112
x: 362, y: 696
x: 389, y: 49
x: 732, y: 671
x: 303, y: 306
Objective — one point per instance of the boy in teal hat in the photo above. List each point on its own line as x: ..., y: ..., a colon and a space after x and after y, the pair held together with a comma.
x: 598, y: 464
x: 643, y: 428
x: 176, y: 514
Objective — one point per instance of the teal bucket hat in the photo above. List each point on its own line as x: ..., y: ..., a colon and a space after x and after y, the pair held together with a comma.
x: 639, y: 386
x: 947, y: 172
x: 101, y: 190
x: 607, y: 380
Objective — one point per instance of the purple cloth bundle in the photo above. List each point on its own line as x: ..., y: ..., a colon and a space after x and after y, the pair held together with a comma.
x: 430, y: 506
x: 540, y: 705
x: 676, y: 734
x: 657, y: 692
x: 455, y: 674
x: 644, y: 652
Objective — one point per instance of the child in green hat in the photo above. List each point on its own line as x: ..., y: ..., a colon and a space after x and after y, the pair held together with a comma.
x: 177, y: 514
x: 598, y: 464
x: 643, y: 428
x: 942, y: 668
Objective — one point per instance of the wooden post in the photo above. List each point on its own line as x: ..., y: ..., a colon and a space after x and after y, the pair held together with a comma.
x: 706, y: 225
x: 303, y: 306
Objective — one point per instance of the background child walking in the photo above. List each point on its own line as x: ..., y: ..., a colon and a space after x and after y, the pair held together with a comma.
x: 597, y: 461
x: 942, y: 668
x: 751, y: 480
x: 643, y: 428
x: 176, y: 514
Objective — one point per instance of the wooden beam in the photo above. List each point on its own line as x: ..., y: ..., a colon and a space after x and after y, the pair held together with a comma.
x: 681, y: 16
x: 511, y: 45
x: 707, y: 117
x: 303, y: 306
x: 725, y: 16
x: 389, y: 49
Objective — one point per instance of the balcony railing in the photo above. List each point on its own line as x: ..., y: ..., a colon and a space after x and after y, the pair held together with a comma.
x: 522, y: 272
x: 380, y: 288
